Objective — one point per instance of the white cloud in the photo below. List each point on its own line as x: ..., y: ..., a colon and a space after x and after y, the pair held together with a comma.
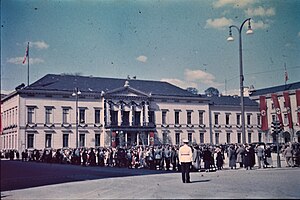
x: 39, y: 45
x: 142, y: 59
x: 19, y: 61
x: 218, y: 23
x: 201, y: 76
x: 260, y: 11
x: 234, y: 3
x: 180, y: 83
x: 259, y: 25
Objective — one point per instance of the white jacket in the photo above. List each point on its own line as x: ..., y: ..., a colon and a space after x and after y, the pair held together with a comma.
x: 185, y: 154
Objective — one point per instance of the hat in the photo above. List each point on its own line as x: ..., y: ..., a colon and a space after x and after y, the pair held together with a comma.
x: 185, y: 141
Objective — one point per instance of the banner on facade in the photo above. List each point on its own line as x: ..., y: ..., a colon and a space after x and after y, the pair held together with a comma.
x: 277, y: 108
x: 263, y: 113
x: 298, y: 105
x: 287, y: 104
x: 113, y: 139
x: 151, y: 135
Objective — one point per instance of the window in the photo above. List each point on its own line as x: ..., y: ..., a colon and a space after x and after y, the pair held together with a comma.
x: 190, y: 137
x: 217, y: 137
x: 151, y: 117
x: 97, y: 116
x: 176, y: 117
x: 273, y: 118
x: 189, y: 117
x: 259, y: 136
x: 48, y: 115
x: 258, y: 119
x: 114, y: 117
x: 48, y: 141
x: 216, y: 118
x: 239, y: 138
x: 285, y: 118
x: 165, y: 137
x: 30, y: 115
x: 227, y: 117
x: 202, y: 137
x: 97, y: 140
x: 177, y: 138
x: 66, y: 115
x: 249, y: 137
x: 81, y: 140
x: 30, y: 140
x: 82, y: 115
x: 125, y: 118
x: 65, y: 140
x: 248, y: 119
x: 164, y: 117
x: 238, y: 119
x: 137, y: 118
x: 228, y: 138
x: 201, y: 119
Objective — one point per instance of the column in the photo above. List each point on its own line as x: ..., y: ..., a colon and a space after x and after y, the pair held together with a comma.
x: 142, y: 116
x: 147, y: 113
x: 131, y: 115
x: 120, y: 115
x: 137, y: 138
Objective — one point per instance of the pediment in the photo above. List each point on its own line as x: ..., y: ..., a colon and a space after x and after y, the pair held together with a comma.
x: 126, y: 92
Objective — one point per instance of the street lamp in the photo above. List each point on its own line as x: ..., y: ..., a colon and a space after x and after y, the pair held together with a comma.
x: 230, y: 38
x: 76, y: 93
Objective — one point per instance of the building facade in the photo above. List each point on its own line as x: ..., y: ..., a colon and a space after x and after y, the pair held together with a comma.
x: 280, y: 103
x: 66, y: 111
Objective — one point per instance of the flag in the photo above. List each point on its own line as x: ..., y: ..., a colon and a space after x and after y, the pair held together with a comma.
x: 288, y: 108
x: 277, y: 108
x: 286, y: 76
x: 298, y: 105
x: 263, y: 113
x: 26, y: 54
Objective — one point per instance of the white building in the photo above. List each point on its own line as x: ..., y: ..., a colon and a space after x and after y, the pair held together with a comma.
x: 114, y: 112
x: 289, y: 105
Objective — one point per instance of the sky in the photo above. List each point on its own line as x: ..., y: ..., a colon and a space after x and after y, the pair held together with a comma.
x: 183, y: 42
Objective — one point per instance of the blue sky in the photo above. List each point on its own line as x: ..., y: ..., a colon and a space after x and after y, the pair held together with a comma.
x: 179, y: 41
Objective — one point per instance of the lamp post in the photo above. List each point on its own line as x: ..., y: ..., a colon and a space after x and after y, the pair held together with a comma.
x: 230, y: 38
x: 76, y: 94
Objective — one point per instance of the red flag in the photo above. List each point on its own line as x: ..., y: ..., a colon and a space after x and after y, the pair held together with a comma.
x: 113, y: 139
x: 288, y: 108
x: 298, y: 105
x: 263, y: 113
x: 26, y: 54
x: 286, y: 76
x: 277, y: 107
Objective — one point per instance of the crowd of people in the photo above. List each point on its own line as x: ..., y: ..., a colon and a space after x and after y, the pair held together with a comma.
x: 163, y: 157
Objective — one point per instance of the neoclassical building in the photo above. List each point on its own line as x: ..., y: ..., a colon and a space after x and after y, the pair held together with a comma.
x: 280, y: 103
x: 60, y: 111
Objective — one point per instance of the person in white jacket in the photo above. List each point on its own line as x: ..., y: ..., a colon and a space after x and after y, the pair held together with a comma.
x: 185, y: 159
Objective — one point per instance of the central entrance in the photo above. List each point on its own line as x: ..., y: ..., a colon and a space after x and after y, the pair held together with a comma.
x: 131, y: 138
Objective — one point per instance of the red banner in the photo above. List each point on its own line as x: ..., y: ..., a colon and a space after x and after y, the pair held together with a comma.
x: 298, y: 105
x: 287, y: 104
x: 277, y: 108
x: 263, y: 113
x: 151, y: 135
x: 113, y: 139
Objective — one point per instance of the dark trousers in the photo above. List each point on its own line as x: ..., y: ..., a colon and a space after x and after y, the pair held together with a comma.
x: 185, y: 171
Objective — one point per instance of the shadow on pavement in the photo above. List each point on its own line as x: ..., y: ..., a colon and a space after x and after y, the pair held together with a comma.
x: 20, y: 175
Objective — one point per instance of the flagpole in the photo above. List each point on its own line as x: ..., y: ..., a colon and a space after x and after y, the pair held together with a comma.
x: 28, y: 65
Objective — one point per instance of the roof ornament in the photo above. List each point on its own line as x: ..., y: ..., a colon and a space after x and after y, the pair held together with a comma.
x: 126, y: 83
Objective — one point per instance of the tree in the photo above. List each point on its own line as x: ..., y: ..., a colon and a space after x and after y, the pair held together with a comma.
x: 192, y: 90
x: 211, y: 91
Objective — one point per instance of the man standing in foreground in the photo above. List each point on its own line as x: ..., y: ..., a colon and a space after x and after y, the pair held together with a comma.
x: 185, y: 159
